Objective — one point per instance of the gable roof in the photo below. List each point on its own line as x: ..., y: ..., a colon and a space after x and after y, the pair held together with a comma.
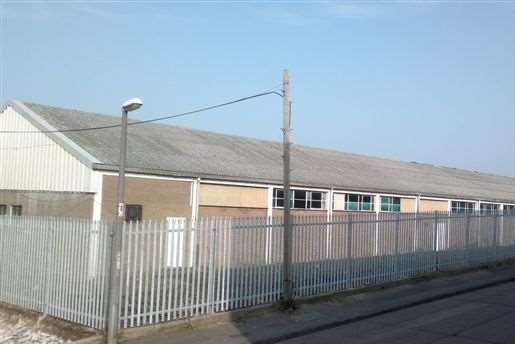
x: 164, y: 149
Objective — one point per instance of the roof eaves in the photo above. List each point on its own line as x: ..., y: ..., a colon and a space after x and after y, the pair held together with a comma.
x: 71, y: 147
x: 222, y: 178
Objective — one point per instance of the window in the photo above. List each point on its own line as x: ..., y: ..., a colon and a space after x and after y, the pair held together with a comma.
x: 133, y: 212
x: 300, y: 199
x: 3, y: 209
x: 489, y: 208
x: 462, y: 207
x: 509, y: 209
x: 278, y: 198
x: 391, y: 204
x: 317, y: 200
x: 16, y: 210
x: 356, y: 202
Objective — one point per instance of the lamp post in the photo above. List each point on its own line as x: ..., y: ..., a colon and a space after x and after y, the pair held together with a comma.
x: 113, y: 316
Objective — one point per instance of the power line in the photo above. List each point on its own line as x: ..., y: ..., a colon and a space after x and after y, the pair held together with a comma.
x: 207, y: 108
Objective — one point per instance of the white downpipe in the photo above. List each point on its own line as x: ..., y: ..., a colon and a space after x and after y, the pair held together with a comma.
x: 377, y: 208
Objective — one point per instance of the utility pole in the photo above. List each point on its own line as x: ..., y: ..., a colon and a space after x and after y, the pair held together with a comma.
x: 116, y: 243
x: 113, y: 311
x: 287, y: 297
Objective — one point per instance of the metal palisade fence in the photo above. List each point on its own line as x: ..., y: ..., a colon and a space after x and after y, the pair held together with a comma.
x: 57, y: 266
x: 176, y: 269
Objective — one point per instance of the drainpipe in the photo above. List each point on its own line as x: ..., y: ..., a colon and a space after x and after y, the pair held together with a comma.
x: 195, y: 194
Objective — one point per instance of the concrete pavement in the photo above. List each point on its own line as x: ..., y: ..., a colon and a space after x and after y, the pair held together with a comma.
x: 482, y: 317
x: 421, y: 312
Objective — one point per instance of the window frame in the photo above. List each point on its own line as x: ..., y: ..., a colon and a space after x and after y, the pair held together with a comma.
x: 491, y: 208
x: 360, y: 202
x: 391, y: 205
x: 510, y: 207
x: 16, y: 210
x: 457, y: 207
x: 296, y: 200
x: 276, y: 199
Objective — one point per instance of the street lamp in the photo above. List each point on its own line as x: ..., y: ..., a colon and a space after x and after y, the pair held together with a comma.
x: 113, y: 319
x: 132, y: 104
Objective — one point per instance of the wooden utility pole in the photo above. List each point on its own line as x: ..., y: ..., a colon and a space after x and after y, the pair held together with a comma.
x: 287, y: 297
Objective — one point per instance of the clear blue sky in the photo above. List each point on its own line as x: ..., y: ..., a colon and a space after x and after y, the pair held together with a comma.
x: 430, y: 82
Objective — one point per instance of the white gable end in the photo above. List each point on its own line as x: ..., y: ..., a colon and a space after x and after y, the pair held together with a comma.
x: 34, y: 161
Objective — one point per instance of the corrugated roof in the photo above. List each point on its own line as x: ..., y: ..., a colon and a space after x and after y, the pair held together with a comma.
x: 172, y: 150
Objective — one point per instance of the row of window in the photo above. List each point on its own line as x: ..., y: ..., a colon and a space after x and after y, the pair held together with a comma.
x: 469, y: 207
x: 16, y: 210
x: 303, y: 199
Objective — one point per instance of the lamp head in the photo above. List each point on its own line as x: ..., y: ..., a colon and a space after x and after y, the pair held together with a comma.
x: 132, y: 104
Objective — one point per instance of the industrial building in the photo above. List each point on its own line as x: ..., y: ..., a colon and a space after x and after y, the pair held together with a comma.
x: 176, y: 172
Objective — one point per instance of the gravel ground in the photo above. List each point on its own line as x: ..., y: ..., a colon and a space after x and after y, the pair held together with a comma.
x: 19, y: 326
x: 19, y: 330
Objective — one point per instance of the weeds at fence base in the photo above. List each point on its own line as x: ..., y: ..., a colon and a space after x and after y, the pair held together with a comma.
x: 287, y: 305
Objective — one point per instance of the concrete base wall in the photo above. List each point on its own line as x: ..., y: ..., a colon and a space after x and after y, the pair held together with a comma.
x: 50, y: 203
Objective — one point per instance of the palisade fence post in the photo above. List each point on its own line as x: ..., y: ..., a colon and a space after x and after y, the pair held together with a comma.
x: 467, y: 240
x: 435, y: 242
x: 47, y: 266
x: 415, y: 232
x: 211, y: 273
x: 397, y: 230
x: 496, y: 214
x: 3, y: 238
x: 478, y: 234
x: 349, y: 251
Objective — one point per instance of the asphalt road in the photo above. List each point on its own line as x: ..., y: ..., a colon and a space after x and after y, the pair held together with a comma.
x: 486, y: 316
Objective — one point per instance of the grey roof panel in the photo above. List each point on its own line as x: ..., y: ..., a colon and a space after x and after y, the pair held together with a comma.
x: 171, y: 150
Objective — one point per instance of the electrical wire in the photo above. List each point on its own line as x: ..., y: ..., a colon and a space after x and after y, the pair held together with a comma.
x: 207, y: 108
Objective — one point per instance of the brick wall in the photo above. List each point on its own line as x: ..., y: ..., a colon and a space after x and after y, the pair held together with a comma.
x: 50, y: 203
x: 160, y: 198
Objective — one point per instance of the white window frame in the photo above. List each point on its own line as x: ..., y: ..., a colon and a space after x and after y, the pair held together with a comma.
x: 360, y: 202
x: 307, y: 200
x: 390, y: 204
x: 496, y: 207
x: 509, y: 206
x: 458, y: 209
